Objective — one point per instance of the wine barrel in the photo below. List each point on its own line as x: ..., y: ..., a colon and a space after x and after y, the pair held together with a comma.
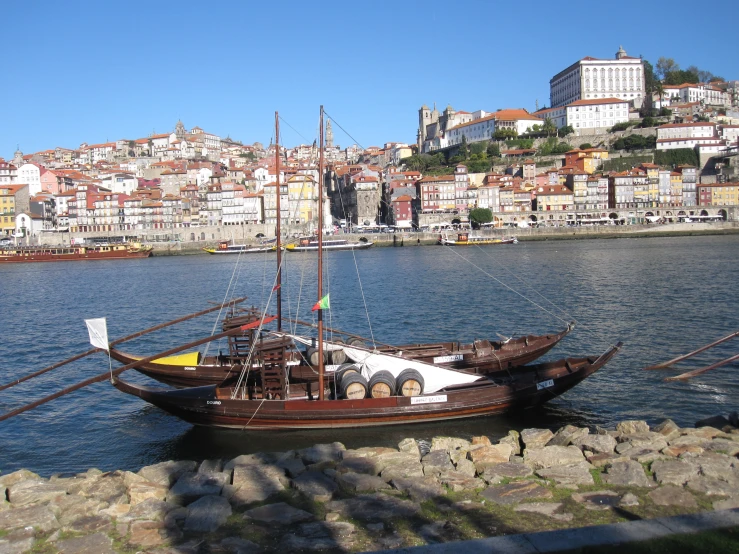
x: 410, y: 383
x: 337, y: 357
x: 343, y: 370
x: 359, y: 343
x: 382, y: 384
x: 311, y: 354
x: 353, y: 386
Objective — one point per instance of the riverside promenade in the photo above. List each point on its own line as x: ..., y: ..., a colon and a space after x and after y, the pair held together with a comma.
x: 534, y: 491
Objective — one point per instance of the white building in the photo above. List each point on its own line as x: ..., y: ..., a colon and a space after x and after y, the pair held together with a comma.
x: 30, y: 174
x: 120, y: 182
x: 482, y: 128
x: 596, y: 115
x: 708, y: 95
x: 590, y: 78
x: 688, y: 135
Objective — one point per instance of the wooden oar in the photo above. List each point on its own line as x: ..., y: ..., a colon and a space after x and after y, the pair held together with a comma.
x: 689, y: 374
x: 693, y: 353
x: 118, y: 371
x: 118, y: 341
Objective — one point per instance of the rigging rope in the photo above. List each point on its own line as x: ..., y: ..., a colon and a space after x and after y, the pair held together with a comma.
x: 453, y: 249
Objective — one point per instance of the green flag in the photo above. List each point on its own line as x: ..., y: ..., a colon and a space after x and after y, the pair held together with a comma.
x: 322, y: 304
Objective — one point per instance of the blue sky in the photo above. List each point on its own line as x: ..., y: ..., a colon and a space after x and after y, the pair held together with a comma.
x: 80, y: 71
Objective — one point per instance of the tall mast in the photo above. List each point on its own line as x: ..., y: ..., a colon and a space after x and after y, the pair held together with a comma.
x: 277, y: 230
x: 320, y: 258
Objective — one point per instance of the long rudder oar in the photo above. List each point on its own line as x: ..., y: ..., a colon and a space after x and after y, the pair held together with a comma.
x: 669, y: 363
x: 689, y: 374
x: 119, y: 341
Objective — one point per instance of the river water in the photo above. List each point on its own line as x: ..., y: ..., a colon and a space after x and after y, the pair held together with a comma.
x: 660, y: 296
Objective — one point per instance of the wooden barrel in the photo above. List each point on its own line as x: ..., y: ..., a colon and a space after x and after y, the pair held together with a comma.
x: 353, y: 386
x: 382, y: 384
x: 410, y: 383
x: 337, y: 357
x: 312, y: 356
x: 343, y: 370
x: 359, y: 343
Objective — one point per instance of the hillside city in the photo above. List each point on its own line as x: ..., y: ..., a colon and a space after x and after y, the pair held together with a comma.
x: 620, y: 143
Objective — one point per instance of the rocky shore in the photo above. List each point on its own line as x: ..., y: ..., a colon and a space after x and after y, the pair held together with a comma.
x: 329, y: 498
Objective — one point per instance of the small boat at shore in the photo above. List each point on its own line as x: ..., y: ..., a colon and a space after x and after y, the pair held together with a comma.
x: 103, y: 251
x: 465, y: 239
x: 227, y: 247
x: 311, y: 245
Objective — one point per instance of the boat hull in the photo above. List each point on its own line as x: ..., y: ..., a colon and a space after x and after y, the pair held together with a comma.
x: 330, y: 248
x: 213, y: 406
x: 67, y: 254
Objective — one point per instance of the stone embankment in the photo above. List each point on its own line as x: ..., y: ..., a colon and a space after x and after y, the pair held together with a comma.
x: 329, y: 498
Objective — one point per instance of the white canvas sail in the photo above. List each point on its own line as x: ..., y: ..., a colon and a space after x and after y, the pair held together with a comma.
x: 435, y: 378
x: 98, y: 331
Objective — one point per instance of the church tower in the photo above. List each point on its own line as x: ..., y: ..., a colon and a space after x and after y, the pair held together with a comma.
x: 424, y: 118
x: 329, y: 135
x: 18, y: 158
x: 621, y: 53
x: 179, y: 130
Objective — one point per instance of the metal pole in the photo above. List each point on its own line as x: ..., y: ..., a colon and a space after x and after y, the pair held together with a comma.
x: 320, y: 260
x: 277, y: 231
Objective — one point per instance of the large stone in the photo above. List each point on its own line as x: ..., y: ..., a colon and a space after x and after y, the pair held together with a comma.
x: 110, y: 487
x: 207, y: 514
x: 191, y: 486
x: 436, y: 462
x: 211, y: 466
x: 150, y: 509
x: 237, y: 545
x: 292, y: 466
x: 725, y: 446
x: 628, y: 474
x: 167, y: 473
x: 705, y: 432
x: 322, y: 453
x: 41, y: 518
x: 479, y: 441
x: 711, y: 486
x: 90, y: 524
x: 371, y: 465
x: 548, y: 456
x: 567, y: 435
x: 631, y: 427
x: 718, y: 467
x: 401, y: 465
x: 10, y: 479
x: 489, y: 455
x: 544, y: 508
x: 138, y: 492
x: 359, y: 482
x: 600, y: 444
x: 260, y: 458
x: 419, y: 489
x: 465, y: 467
x: 602, y: 460
x: 410, y: 446
x: 24, y: 493
x: 99, y: 543
x: 494, y: 474
x: 147, y: 534
x: 279, y: 514
x: 667, y: 429
x: 536, y: 438
x: 315, y: 485
x: 513, y: 439
x: 575, y: 474
x: 255, y: 483
x: 72, y: 507
x: 677, y: 451
x: 727, y: 504
x: 688, y: 440
x: 649, y: 440
x: 674, y: 472
x: 17, y: 542
x: 641, y: 455
x: 670, y: 495
x: 449, y: 443
x: 513, y: 493
x: 374, y: 507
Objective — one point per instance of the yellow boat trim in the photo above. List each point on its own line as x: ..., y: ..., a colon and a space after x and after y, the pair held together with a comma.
x: 189, y: 359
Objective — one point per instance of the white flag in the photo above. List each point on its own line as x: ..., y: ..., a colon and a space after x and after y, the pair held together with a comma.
x: 98, y: 332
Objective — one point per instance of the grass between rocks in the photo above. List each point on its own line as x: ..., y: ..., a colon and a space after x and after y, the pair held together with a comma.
x: 720, y: 541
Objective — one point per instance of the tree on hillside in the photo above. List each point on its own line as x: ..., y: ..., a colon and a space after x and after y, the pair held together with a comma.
x: 493, y: 150
x: 464, y: 149
x: 479, y: 216
x: 681, y: 76
x: 665, y: 66
x: 504, y: 134
x: 566, y: 130
x: 549, y: 127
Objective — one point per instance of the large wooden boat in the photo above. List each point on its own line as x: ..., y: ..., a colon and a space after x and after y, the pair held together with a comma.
x: 260, y: 406
x: 465, y: 239
x: 311, y: 245
x: 227, y: 247
x: 113, y: 251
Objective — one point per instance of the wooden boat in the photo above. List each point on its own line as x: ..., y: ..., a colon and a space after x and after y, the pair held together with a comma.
x: 465, y: 239
x: 480, y: 356
x: 311, y: 245
x: 113, y: 251
x: 227, y: 247
x: 261, y: 406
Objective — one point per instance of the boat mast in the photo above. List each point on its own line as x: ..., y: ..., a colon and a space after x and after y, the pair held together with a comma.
x: 278, y: 285
x: 320, y: 259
